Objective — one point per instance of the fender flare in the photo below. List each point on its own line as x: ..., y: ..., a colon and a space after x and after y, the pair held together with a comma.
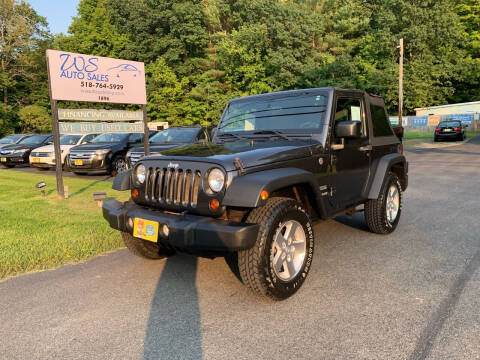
x: 244, y: 191
x: 123, y: 181
x: 384, y: 164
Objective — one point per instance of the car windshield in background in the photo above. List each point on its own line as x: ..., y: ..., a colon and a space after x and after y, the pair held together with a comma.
x: 35, y: 139
x: 109, y: 138
x: 69, y: 139
x: 296, y: 112
x: 12, y: 139
x: 185, y: 135
x: 450, y: 124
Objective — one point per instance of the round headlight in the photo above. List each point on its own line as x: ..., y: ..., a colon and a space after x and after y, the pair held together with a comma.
x: 216, y: 179
x: 140, y: 173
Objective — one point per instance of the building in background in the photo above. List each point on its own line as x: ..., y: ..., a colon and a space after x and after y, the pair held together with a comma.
x: 469, y: 108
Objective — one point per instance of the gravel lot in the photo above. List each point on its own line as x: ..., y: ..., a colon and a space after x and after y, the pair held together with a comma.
x: 412, y: 295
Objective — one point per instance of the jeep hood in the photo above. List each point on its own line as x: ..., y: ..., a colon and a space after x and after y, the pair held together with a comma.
x: 156, y: 148
x: 257, y: 154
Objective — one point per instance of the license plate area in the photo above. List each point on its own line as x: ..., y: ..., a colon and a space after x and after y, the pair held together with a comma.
x: 145, y: 229
x: 36, y: 160
x: 3, y: 159
x: 78, y: 162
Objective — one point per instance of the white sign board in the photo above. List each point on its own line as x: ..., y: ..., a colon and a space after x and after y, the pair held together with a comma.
x: 79, y: 77
x: 99, y: 115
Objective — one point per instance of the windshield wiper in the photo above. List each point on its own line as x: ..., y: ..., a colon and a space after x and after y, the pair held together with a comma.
x: 272, y: 132
x: 226, y: 136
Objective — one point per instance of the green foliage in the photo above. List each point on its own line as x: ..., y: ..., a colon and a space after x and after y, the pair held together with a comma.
x: 34, y: 118
x: 200, y: 54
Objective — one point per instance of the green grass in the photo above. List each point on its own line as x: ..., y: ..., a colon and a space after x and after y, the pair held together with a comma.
x: 429, y: 135
x: 42, y: 233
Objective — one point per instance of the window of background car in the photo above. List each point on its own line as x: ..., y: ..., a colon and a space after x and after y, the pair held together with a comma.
x: 35, y: 139
x: 182, y: 135
x: 381, y: 124
x: 450, y: 124
x: 109, y: 138
x: 89, y: 138
x: 69, y: 139
x: 12, y: 139
x: 135, y: 138
x: 293, y: 112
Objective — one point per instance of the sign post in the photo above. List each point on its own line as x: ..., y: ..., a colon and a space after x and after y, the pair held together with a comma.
x: 80, y: 77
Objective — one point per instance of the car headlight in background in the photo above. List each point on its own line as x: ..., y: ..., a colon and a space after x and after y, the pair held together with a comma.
x: 140, y: 172
x: 216, y: 179
x: 102, y: 152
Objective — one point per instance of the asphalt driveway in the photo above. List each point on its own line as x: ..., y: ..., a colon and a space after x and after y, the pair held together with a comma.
x: 412, y: 295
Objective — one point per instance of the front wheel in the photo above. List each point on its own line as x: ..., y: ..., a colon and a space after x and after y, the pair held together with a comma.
x: 119, y: 164
x: 281, y: 258
x: 383, y: 214
x: 145, y: 249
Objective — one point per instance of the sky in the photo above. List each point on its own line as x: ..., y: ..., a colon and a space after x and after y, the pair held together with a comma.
x: 59, y: 13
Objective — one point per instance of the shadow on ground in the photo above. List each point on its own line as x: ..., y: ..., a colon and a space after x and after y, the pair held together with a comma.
x: 174, y: 328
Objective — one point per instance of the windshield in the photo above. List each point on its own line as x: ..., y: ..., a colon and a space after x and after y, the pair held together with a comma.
x: 175, y: 135
x: 69, y: 139
x: 11, y: 139
x: 109, y: 138
x: 35, y: 139
x: 450, y: 124
x: 292, y: 112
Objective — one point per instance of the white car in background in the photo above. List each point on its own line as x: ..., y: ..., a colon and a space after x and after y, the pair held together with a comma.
x: 44, y: 157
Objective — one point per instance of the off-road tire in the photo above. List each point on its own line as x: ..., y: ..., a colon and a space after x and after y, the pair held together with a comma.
x: 375, y: 210
x: 145, y: 249
x: 255, y: 264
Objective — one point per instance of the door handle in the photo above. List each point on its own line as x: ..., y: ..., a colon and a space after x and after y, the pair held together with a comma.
x: 366, y: 148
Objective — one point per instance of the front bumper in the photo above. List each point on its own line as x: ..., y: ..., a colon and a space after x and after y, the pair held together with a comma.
x: 13, y: 159
x: 43, y: 162
x: 194, y: 234
x: 94, y: 164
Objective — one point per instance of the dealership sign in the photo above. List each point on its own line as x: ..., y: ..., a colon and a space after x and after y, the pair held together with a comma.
x: 100, y: 127
x: 79, y: 77
x: 99, y: 115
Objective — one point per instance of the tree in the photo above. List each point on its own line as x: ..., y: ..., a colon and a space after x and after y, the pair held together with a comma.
x: 21, y: 31
x: 34, y: 118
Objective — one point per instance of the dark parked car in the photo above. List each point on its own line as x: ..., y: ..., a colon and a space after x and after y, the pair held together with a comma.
x: 12, y: 139
x: 277, y: 163
x: 452, y: 129
x: 19, y: 153
x: 105, y: 153
x: 168, y: 139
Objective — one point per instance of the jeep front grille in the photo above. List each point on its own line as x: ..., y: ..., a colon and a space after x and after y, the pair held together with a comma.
x: 177, y: 187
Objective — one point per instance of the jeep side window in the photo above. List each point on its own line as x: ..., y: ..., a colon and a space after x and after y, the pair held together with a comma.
x: 381, y: 124
x: 349, y: 109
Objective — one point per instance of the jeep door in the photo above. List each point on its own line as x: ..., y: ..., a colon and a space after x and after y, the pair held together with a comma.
x: 350, y: 165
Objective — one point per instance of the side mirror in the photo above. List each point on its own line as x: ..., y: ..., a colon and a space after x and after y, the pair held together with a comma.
x: 348, y: 129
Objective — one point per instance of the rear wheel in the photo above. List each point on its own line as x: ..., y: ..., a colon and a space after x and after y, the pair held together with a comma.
x: 383, y: 214
x: 281, y: 258
x: 145, y: 249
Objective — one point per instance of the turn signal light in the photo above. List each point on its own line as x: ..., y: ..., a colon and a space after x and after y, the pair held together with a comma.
x: 264, y: 195
x: 135, y: 193
x: 214, y: 204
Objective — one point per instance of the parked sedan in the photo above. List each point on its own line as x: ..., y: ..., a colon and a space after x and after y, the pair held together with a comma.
x: 12, y: 139
x: 105, y: 153
x: 452, y: 129
x: 18, y: 154
x: 168, y: 139
x: 44, y: 157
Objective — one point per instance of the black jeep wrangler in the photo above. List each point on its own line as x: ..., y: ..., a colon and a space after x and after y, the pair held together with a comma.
x: 277, y: 163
